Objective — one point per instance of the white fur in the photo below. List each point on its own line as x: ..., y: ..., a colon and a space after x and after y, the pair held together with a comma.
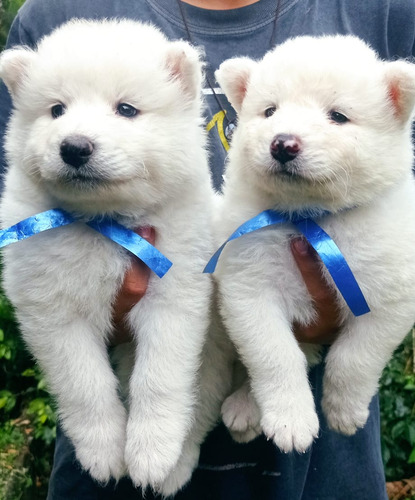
x: 147, y: 170
x: 360, y: 171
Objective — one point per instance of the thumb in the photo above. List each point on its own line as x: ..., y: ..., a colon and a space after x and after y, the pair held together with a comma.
x: 137, y: 276
x: 309, y: 265
x: 147, y: 232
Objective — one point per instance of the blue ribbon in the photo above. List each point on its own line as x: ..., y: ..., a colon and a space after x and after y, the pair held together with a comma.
x: 128, y: 239
x: 326, y: 248
x: 134, y: 243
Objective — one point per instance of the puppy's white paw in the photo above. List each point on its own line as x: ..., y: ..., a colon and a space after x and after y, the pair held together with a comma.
x: 101, y: 452
x: 241, y: 415
x: 343, y: 415
x: 291, y: 427
x: 182, y: 471
x: 151, y: 453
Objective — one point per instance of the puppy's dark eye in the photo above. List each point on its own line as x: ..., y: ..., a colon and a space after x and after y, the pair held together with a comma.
x: 337, y: 117
x: 270, y: 111
x: 126, y: 110
x: 57, y: 110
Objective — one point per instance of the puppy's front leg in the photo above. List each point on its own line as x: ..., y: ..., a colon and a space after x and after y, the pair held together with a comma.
x: 355, y: 362
x: 170, y: 324
x: 241, y: 415
x: 215, y: 379
x: 275, y: 362
x: 75, y: 361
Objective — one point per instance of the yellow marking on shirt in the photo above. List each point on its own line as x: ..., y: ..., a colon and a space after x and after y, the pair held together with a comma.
x: 217, y: 121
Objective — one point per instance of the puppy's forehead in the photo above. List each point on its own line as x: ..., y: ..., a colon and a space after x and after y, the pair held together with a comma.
x: 307, y: 62
x: 327, y: 51
x: 102, y: 36
x: 101, y: 50
x: 113, y: 59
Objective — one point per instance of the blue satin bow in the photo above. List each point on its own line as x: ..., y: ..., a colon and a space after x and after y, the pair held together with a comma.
x: 326, y: 248
x: 128, y: 239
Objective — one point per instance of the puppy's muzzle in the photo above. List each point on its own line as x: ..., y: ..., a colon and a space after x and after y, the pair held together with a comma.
x: 76, y: 150
x: 285, y: 147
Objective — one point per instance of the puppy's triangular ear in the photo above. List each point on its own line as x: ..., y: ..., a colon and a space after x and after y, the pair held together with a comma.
x: 233, y: 77
x: 400, y: 80
x: 184, y: 64
x: 14, y: 64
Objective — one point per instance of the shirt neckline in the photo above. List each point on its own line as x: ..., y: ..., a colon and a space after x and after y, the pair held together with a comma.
x: 221, y: 22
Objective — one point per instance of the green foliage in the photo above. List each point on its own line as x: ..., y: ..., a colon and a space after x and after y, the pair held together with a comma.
x: 14, y: 476
x: 43, y: 418
x: 11, y: 437
x: 27, y: 419
x: 8, y: 10
x: 397, y: 402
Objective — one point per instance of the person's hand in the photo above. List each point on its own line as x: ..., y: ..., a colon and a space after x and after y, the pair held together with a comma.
x: 132, y: 290
x: 327, y: 324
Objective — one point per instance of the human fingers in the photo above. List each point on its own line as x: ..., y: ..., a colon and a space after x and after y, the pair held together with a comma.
x: 325, y: 328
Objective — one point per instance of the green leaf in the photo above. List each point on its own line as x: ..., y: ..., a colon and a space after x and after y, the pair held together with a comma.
x: 42, y: 384
x: 386, y: 454
x: 7, y: 400
x: 411, y: 433
x: 398, y: 429
x: 29, y: 372
x: 411, y: 459
x: 401, y: 409
x: 36, y: 405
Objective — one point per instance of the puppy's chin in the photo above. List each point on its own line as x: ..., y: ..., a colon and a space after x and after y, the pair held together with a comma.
x: 80, y: 182
x: 78, y: 187
x: 75, y: 186
x: 284, y: 175
x: 296, y: 189
x: 86, y: 196
x: 292, y: 172
x: 97, y: 195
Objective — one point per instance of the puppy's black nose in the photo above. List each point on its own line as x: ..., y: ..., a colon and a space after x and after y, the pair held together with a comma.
x: 76, y: 150
x: 285, y: 147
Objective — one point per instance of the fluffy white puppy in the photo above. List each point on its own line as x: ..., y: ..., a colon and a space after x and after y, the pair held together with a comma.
x: 323, y: 125
x: 107, y: 121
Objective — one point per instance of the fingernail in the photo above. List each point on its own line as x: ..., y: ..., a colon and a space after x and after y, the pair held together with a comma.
x: 301, y: 246
x: 145, y: 231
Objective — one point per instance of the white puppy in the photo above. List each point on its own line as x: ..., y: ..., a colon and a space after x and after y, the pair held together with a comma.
x: 107, y: 121
x: 323, y: 125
